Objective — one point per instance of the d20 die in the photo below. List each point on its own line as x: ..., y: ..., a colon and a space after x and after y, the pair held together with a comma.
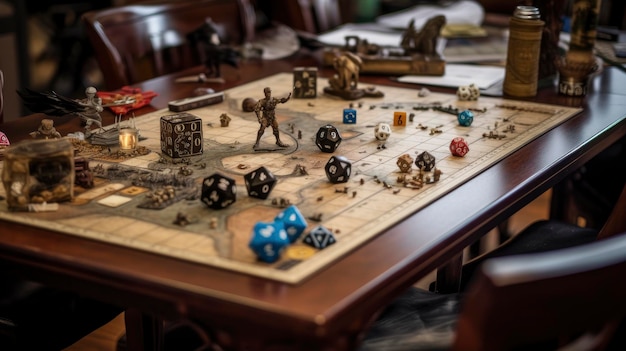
x: 319, y: 237
x: 459, y: 147
x: 260, y: 182
x: 305, y: 82
x: 181, y: 135
x: 349, y: 116
x: 382, y: 131
x: 268, y: 241
x: 425, y: 161
x: 294, y: 222
x: 405, y: 163
x: 328, y: 138
x: 338, y: 169
x: 218, y: 191
x: 465, y: 118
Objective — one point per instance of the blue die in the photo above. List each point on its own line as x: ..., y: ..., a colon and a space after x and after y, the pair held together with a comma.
x: 349, y: 116
x: 294, y: 222
x: 465, y: 118
x: 269, y: 239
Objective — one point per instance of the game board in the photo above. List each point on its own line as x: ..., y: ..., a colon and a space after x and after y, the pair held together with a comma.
x: 372, y: 200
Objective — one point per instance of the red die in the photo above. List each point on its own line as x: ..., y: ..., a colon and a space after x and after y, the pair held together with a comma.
x: 458, y: 147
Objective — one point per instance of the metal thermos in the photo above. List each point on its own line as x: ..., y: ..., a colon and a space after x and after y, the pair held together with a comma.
x: 522, y: 60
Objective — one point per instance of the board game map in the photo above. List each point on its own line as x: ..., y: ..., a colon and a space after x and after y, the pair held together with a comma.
x: 373, y: 199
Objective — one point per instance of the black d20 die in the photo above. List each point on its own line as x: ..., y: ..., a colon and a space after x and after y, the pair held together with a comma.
x: 338, y: 169
x: 328, y: 138
x: 218, y: 191
x: 425, y: 161
x: 260, y: 182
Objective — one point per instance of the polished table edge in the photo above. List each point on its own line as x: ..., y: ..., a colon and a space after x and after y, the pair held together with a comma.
x: 346, y: 294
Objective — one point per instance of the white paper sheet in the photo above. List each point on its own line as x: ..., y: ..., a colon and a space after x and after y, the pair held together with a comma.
x: 459, y: 74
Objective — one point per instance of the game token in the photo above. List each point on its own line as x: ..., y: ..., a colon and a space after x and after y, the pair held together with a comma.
x: 299, y: 252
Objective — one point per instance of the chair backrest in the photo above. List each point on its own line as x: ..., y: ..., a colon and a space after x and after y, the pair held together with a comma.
x: 310, y: 16
x: 148, y: 39
x: 521, y: 302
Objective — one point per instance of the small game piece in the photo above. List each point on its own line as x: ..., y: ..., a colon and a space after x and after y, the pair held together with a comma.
x: 319, y: 237
x: 181, y: 135
x: 328, y: 138
x: 294, y: 222
x: 218, y: 191
x: 382, y: 131
x: 305, y: 82
x: 269, y: 239
x: 459, y: 147
x: 405, y: 163
x: 4, y: 142
x: 399, y: 118
x: 425, y: 161
x: 247, y: 105
x: 465, y: 118
x: 260, y: 182
x: 265, y: 110
x: 46, y: 130
x: 349, y: 116
x: 338, y: 169
x: 299, y: 251
x: 224, y: 120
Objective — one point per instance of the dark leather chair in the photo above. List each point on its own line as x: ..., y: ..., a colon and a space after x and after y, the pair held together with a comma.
x: 551, y: 285
x: 148, y: 39
x: 539, y: 301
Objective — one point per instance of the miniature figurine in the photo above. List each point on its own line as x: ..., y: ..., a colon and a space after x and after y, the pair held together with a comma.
x: 46, y: 130
x: 214, y: 52
x: 425, y: 41
x: 53, y: 104
x: 265, y: 110
x: 345, y: 82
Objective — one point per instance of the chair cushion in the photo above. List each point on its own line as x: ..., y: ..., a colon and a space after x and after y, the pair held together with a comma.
x: 417, y: 320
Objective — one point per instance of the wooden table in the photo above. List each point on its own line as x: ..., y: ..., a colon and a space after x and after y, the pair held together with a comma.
x: 329, y: 310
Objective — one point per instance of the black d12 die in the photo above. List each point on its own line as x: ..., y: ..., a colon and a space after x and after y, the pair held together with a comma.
x: 218, y: 191
x: 338, y: 169
x: 260, y: 182
x: 425, y: 161
x: 328, y: 138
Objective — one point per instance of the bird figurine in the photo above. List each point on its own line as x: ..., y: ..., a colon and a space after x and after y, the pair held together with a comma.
x: 53, y: 104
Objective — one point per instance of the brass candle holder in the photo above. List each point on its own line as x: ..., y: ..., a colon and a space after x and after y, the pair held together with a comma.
x: 128, y: 138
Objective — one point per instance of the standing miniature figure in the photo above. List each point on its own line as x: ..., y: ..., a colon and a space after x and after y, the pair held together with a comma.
x: 93, y: 107
x: 265, y: 110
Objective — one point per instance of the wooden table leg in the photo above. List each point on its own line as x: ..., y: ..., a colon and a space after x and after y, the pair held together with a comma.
x: 143, y: 332
x: 449, y: 276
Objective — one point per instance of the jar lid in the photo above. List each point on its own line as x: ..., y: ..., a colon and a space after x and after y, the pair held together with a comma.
x: 526, y: 12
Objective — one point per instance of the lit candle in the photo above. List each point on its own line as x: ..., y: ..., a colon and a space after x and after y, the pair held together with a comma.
x: 128, y: 139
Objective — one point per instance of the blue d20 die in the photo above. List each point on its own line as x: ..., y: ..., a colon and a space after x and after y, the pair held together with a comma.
x: 294, y: 222
x: 349, y: 116
x: 268, y: 241
x: 465, y: 118
x: 319, y: 237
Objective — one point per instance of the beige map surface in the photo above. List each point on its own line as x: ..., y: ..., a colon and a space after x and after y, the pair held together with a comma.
x: 372, y: 200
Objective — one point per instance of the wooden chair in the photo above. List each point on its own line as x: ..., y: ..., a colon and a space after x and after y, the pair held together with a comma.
x: 140, y: 41
x: 308, y: 16
x: 551, y: 285
x: 539, y: 301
